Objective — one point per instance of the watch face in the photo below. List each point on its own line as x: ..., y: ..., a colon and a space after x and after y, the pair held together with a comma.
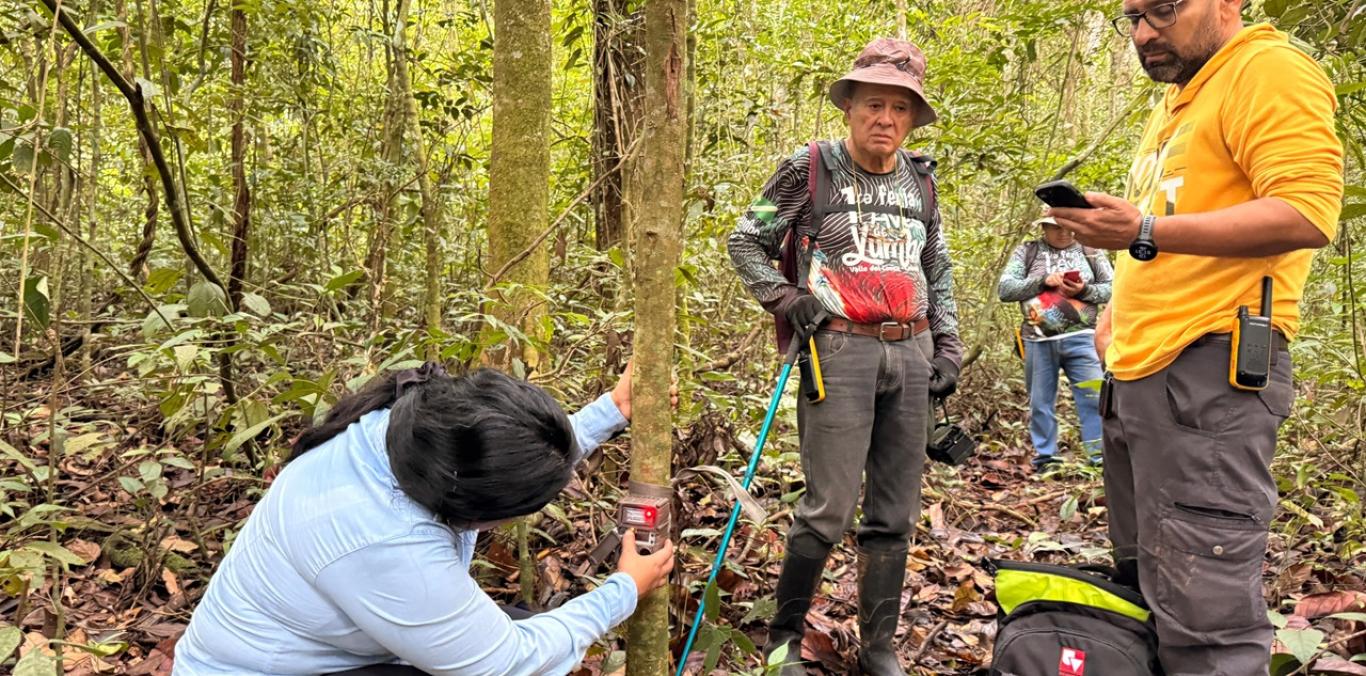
x: 1143, y: 250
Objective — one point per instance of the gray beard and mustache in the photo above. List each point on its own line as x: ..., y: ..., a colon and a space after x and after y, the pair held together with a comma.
x: 1181, y: 66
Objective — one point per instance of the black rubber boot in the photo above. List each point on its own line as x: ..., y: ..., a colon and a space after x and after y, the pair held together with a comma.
x: 796, y: 584
x: 882, y: 572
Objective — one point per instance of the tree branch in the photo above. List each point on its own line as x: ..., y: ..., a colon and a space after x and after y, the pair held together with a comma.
x: 136, y: 102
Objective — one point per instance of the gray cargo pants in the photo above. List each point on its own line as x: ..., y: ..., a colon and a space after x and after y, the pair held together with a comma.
x: 875, y: 419
x: 1188, y: 480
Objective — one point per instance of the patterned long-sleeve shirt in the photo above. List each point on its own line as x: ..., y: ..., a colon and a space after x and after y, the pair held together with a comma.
x: 1048, y: 314
x: 885, y: 261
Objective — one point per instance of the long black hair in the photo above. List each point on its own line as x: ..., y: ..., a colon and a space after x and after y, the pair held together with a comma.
x: 477, y: 448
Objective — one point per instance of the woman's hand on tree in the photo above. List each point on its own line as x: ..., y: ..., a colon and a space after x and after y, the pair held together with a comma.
x: 650, y: 571
x: 621, y: 394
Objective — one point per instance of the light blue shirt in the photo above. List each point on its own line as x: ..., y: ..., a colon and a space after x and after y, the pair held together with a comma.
x: 337, y: 568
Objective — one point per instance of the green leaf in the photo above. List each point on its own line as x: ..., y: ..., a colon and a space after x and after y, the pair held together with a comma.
x: 10, y: 638
x: 184, y: 355
x: 344, y: 280
x: 103, y: 25
x: 152, y: 324
x: 178, y: 461
x: 1283, y: 664
x: 1277, y: 619
x: 250, y: 433
x: 149, y: 470
x: 56, y: 551
x: 149, y: 88
x: 160, y: 280
x: 1355, y: 617
x: 84, y: 441
x: 255, y: 304
x: 1302, y: 643
x: 11, y: 452
x: 712, y: 597
x: 1347, y: 88
x: 207, y: 299
x: 37, y: 302
x: 22, y: 159
x: 59, y: 143
x: 1069, y: 509
x: 7, y: 358
x: 1354, y: 210
x: 35, y: 663
x: 131, y: 484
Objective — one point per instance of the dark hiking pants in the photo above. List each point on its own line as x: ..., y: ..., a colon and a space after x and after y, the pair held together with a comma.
x: 874, y: 420
x: 1188, y: 480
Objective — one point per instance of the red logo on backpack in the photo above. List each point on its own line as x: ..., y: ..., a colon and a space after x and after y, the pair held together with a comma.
x: 1072, y: 663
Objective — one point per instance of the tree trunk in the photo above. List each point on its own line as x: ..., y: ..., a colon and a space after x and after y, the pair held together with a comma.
x: 519, y: 167
x: 137, y: 266
x: 391, y: 151
x: 616, y: 112
x: 433, y: 209
x: 242, y: 203
x: 657, y: 204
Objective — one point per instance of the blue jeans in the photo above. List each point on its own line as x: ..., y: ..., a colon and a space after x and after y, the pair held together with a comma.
x: 1076, y: 356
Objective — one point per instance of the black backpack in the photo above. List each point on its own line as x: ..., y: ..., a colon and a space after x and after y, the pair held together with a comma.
x: 1070, y: 621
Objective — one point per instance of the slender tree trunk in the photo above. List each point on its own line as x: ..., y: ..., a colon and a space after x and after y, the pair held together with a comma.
x: 616, y: 112
x: 519, y: 166
x: 151, y: 204
x: 242, y: 202
x: 433, y: 209
x: 391, y: 151
x: 657, y: 196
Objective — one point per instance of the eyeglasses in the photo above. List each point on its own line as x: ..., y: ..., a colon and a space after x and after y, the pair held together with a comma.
x: 1159, y: 17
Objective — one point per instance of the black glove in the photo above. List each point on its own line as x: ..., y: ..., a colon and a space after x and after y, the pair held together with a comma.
x: 805, y: 313
x: 944, y: 378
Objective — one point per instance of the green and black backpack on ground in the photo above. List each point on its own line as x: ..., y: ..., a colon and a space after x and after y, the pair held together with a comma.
x: 1066, y: 621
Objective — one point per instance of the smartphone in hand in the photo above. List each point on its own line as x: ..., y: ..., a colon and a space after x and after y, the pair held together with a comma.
x: 1062, y: 194
x: 1073, y: 276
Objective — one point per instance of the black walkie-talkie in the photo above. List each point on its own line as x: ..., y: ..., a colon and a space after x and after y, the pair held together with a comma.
x: 1249, y: 366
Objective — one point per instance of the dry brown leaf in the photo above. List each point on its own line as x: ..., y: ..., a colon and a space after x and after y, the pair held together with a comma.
x: 172, y: 583
x: 1339, y: 667
x: 87, y: 550
x: 1315, y: 606
x: 175, y: 543
x: 35, y: 640
x: 965, y: 595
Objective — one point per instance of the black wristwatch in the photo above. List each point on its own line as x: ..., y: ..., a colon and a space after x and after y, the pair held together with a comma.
x: 1143, y: 247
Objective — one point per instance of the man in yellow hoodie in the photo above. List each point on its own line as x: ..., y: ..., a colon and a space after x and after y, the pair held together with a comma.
x: 1238, y: 177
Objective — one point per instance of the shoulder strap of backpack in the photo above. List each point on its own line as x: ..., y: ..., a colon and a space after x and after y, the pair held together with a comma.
x: 924, y: 166
x: 1031, y: 253
x: 1090, y: 255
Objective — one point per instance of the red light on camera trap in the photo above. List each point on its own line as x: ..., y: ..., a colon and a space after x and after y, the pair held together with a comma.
x: 642, y: 517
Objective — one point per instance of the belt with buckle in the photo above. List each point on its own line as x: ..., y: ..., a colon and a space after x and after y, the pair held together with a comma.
x: 888, y: 332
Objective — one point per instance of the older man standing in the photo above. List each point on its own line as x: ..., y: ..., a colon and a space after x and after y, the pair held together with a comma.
x: 1238, y: 178
x: 864, y: 248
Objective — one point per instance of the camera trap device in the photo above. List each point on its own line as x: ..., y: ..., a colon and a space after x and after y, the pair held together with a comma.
x: 648, y: 510
x: 949, y: 444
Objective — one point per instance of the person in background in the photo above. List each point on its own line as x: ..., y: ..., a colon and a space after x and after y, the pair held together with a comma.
x: 357, y: 559
x: 1060, y: 286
